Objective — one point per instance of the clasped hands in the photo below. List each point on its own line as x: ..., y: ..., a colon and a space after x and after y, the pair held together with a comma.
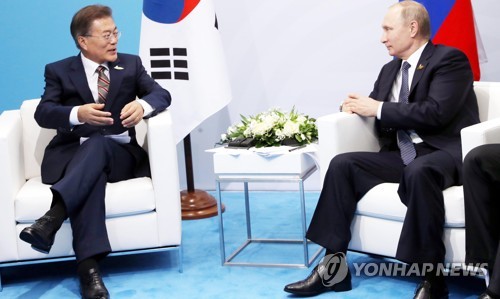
x: 93, y: 114
x: 361, y: 105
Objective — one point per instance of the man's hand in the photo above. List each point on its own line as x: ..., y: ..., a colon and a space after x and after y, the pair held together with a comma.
x: 131, y: 114
x: 92, y: 114
x: 360, y: 105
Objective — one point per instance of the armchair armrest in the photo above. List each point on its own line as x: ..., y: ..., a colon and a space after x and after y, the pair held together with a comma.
x: 479, y: 134
x: 11, y: 180
x: 165, y: 176
x: 343, y: 132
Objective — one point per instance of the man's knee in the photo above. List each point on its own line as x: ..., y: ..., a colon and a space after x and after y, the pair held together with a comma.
x: 96, y: 142
x: 476, y: 156
x: 340, y: 160
x: 339, y: 164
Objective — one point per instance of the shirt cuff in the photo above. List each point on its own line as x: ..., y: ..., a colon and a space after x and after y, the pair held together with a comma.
x: 379, y: 110
x: 73, y: 117
x: 147, y: 108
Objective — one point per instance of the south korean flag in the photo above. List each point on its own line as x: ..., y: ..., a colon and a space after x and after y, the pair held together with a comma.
x: 181, y: 49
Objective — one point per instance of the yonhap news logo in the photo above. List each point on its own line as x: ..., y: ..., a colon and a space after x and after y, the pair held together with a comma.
x: 333, y: 269
x: 418, y: 269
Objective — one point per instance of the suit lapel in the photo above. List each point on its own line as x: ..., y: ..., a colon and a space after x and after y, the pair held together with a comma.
x: 386, y: 85
x: 79, y: 79
x: 422, y: 65
x: 116, y: 72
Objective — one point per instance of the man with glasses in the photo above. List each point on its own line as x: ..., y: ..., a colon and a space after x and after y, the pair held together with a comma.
x: 93, y: 100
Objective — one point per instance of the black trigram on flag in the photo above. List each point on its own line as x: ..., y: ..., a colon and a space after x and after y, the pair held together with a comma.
x: 169, y: 63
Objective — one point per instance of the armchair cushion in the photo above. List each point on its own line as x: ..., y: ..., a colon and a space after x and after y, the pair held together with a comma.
x: 383, y: 202
x: 130, y: 197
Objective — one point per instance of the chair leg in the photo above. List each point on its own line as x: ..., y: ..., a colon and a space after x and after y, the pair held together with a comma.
x: 179, y: 252
x: 1, y: 286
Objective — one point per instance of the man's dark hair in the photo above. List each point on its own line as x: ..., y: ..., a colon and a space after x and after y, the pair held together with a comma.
x: 82, y: 20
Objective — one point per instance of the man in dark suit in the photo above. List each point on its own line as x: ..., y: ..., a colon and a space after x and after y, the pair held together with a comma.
x: 93, y: 100
x: 482, y: 206
x: 421, y: 100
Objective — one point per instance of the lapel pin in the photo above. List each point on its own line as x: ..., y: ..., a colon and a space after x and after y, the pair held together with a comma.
x: 117, y: 67
x: 420, y: 67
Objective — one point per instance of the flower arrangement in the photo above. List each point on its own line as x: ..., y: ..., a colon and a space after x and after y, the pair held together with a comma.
x: 273, y: 128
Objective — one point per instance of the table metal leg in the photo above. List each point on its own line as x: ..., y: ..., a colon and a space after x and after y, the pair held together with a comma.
x: 221, y: 224
x: 304, y: 224
x: 250, y: 239
x: 247, y: 212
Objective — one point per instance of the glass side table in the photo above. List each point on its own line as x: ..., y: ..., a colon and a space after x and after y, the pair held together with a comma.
x: 246, y: 166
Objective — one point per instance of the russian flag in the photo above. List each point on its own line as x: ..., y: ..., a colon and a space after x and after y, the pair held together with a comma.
x: 452, y: 24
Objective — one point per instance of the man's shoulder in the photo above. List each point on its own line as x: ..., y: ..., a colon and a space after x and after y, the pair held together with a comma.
x: 65, y: 61
x: 444, y: 50
x: 127, y: 56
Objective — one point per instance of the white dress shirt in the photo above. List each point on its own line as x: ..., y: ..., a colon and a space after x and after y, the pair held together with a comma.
x: 90, y: 68
x: 396, y: 86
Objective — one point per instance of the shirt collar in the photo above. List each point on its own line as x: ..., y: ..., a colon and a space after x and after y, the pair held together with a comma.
x: 91, y: 66
x: 415, y: 57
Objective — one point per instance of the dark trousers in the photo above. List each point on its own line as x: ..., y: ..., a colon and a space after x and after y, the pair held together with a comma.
x: 352, y: 175
x: 82, y: 188
x: 482, y: 209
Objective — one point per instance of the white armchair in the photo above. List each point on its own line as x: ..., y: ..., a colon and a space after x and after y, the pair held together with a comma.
x: 379, y: 216
x: 143, y: 214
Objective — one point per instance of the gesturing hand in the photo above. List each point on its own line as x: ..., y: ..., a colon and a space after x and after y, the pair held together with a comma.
x: 92, y: 114
x: 131, y: 114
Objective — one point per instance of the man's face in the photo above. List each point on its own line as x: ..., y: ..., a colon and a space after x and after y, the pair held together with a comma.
x: 396, y: 36
x: 95, y: 46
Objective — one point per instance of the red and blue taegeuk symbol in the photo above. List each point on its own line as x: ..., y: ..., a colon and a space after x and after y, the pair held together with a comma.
x: 168, y: 11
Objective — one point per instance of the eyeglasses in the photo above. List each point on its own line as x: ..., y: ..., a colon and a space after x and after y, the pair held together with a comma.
x: 107, y: 36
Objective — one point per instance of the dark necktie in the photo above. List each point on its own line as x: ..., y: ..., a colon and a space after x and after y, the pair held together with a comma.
x: 102, y: 85
x: 406, y: 147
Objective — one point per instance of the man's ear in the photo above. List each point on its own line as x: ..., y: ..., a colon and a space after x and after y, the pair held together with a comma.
x: 414, y: 28
x: 82, y: 42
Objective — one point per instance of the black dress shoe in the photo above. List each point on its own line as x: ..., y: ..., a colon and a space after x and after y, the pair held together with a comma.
x: 92, y: 286
x: 314, y: 285
x: 41, y: 234
x: 485, y: 295
x: 426, y: 290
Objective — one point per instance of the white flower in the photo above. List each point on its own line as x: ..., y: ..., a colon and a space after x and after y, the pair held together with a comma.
x: 248, y: 132
x: 272, y: 127
x: 291, y: 128
x: 280, y: 135
x: 301, y: 119
x: 260, y: 128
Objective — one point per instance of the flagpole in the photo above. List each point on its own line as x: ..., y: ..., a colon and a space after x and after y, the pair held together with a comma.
x: 195, y: 203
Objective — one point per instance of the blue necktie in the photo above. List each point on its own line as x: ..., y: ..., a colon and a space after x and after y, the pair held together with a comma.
x: 406, y: 147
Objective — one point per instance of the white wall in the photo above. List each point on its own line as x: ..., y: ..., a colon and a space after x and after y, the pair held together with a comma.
x: 309, y: 54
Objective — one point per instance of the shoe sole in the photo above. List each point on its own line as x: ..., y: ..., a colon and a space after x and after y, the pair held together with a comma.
x: 335, y: 288
x: 35, y: 242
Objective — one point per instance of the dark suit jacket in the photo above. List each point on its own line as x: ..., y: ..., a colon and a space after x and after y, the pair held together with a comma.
x: 66, y: 86
x: 441, y: 101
